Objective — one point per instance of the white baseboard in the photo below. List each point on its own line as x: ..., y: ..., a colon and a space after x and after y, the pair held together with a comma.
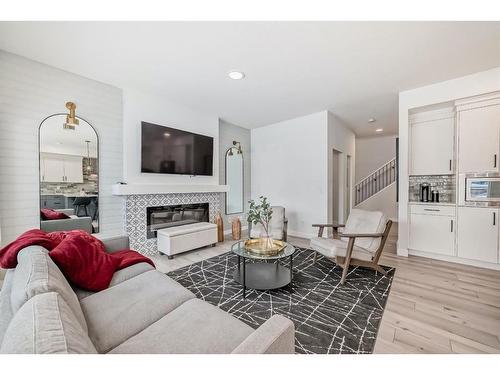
x: 402, y: 252
x: 454, y: 259
x: 306, y: 236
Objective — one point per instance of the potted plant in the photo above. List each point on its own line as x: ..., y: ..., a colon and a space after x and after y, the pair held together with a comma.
x: 262, y: 214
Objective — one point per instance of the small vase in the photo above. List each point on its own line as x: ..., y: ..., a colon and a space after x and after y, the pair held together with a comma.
x: 236, y: 228
x: 267, y: 237
x: 220, y: 227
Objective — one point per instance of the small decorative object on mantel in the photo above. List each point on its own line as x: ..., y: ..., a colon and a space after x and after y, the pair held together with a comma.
x: 220, y: 227
x: 236, y: 228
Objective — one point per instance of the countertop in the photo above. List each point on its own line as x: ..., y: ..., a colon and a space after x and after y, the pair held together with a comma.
x: 74, y: 195
x: 433, y: 203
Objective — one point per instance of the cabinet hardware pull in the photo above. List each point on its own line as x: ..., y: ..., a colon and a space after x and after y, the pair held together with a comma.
x: 495, y: 161
x: 494, y: 218
x: 451, y: 224
x: 450, y: 164
x: 432, y: 209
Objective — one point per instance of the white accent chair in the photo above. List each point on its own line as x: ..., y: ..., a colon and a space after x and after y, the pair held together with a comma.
x: 360, y: 243
x: 279, y: 225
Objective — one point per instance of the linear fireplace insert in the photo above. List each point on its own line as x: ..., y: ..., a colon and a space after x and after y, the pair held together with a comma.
x: 160, y: 217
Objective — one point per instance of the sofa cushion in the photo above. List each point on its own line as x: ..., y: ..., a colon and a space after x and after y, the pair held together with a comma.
x: 46, y: 325
x: 5, y: 305
x: 119, y: 277
x: 122, y: 311
x: 194, y: 327
x: 362, y: 221
x: 332, y: 248
x: 36, y: 273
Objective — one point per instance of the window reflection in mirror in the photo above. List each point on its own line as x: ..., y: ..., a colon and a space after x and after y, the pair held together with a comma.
x: 69, y: 176
x: 234, y: 178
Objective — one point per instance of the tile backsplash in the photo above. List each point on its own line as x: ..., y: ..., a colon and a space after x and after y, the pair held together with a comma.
x: 68, y: 188
x: 446, y: 185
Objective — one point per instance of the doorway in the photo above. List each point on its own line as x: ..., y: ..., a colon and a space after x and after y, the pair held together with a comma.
x: 347, y: 193
x: 336, y: 186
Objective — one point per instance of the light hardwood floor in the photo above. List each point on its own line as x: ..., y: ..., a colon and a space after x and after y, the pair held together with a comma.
x: 433, y: 306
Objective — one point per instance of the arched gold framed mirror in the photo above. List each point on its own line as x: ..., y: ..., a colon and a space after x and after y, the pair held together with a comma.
x: 69, y: 173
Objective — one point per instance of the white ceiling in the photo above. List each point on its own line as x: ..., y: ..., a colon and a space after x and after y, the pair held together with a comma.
x: 354, y: 69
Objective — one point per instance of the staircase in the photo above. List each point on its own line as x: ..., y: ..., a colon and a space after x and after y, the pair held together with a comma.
x: 375, y: 182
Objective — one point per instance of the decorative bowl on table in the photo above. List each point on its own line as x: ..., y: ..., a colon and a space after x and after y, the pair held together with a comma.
x: 264, y: 246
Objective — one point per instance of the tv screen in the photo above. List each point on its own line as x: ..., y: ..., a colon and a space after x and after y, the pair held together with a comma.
x: 173, y: 151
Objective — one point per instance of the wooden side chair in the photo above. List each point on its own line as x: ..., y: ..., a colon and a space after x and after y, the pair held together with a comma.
x: 359, y: 242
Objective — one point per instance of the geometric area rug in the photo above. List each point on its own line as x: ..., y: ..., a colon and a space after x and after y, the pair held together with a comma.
x: 329, y: 318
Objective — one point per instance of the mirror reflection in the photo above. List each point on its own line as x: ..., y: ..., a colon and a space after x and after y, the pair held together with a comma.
x: 69, y: 174
x: 234, y: 178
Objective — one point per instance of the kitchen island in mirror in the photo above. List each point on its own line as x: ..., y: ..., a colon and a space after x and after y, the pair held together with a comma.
x: 69, y: 173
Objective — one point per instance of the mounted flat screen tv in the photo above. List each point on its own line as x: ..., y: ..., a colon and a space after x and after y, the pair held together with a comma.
x: 173, y: 151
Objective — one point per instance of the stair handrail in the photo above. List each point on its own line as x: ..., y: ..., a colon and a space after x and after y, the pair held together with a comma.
x: 376, y: 171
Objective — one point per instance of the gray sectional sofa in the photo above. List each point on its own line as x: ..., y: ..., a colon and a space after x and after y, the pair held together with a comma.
x: 142, y: 311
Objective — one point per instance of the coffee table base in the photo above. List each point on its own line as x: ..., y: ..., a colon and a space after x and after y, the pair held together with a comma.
x: 263, y: 276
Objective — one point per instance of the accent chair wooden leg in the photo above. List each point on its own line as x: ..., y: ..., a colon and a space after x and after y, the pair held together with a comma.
x: 348, y: 254
x: 380, y: 269
x: 315, y: 256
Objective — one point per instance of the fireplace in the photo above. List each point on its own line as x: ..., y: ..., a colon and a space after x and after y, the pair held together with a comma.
x: 159, y: 217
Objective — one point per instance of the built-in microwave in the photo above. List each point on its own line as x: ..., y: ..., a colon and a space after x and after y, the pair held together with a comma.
x: 480, y: 189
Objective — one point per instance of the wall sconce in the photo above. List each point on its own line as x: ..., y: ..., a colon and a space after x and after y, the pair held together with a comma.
x: 71, y: 119
x: 237, y: 146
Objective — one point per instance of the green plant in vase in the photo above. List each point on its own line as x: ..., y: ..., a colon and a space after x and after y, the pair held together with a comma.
x: 262, y: 214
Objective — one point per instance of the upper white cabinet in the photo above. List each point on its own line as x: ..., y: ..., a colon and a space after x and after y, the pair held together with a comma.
x: 432, y: 142
x: 479, y: 139
x: 478, y: 233
x: 61, y: 168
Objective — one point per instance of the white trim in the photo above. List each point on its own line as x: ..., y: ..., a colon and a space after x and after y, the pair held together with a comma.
x: 402, y: 252
x: 142, y: 189
x: 478, y: 101
x: 454, y: 259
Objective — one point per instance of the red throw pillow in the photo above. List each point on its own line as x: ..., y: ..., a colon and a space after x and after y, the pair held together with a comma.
x: 50, y: 214
x: 84, y: 262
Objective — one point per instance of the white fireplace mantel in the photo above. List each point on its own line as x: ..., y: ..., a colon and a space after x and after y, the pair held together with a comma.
x: 141, y: 189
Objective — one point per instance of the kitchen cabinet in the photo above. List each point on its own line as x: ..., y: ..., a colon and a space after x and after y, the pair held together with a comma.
x: 477, y: 233
x: 61, y: 168
x: 52, y: 169
x: 432, y: 229
x: 479, y: 139
x: 432, y: 144
x: 54, y: 201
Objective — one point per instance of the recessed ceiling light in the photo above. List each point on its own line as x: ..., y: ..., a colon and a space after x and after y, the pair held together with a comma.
x: 166, y: 135
x: 371, y: 119
x: 236, y: 75
x: 379, y: 130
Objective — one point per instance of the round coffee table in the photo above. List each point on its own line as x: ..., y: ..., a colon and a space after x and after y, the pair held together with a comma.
x: 262, y: 275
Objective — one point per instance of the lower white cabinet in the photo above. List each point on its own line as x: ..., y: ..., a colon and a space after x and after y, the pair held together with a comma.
x: 478, y: 233
x: 432, y: 229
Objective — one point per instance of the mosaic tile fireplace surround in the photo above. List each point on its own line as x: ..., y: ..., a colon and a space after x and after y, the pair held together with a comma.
x: 136, y: 214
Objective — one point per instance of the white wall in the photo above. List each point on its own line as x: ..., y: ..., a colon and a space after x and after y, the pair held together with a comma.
x: 342, y: 139
x: 153, y: 108
x: 289, y: 166
x: 372, y: 153
x: 29, y: 92
x: 463, y: 87
x: 385, y: 201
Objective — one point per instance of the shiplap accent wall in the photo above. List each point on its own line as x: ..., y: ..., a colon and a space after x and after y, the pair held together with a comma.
x: 29, y: 92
